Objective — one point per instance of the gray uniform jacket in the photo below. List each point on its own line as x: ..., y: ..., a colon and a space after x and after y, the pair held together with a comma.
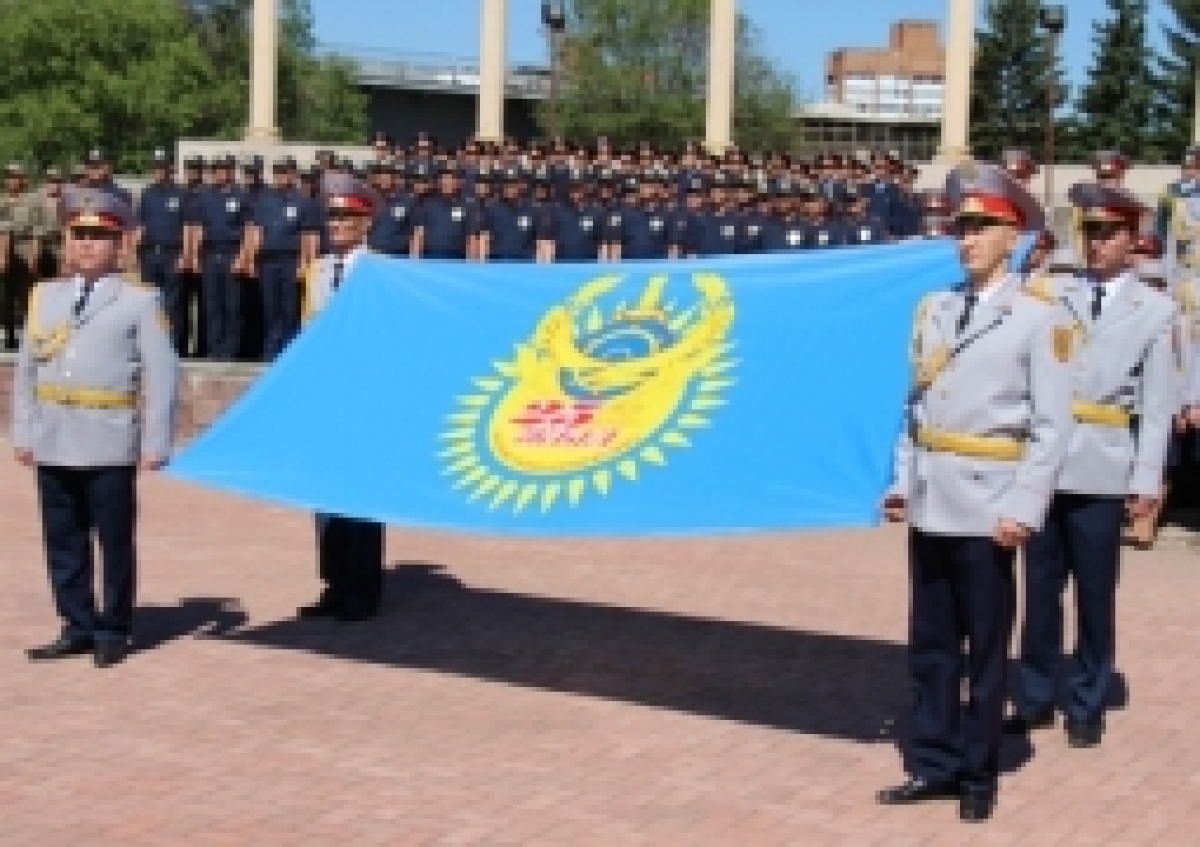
x: 1010, y: 379
x: 118, y: 346
x: 1188, y: 298
x: 1128, y: 358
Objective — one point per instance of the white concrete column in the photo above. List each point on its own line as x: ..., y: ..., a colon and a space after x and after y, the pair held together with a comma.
x: 264, y: 60
x: 718, y: 134
x: 493, y: 69
x: 960, y: 52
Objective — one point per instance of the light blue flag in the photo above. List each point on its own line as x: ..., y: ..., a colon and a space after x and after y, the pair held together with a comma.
x: 706, y: 396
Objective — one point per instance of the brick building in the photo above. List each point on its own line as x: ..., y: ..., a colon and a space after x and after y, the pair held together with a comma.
x: 906, y: 79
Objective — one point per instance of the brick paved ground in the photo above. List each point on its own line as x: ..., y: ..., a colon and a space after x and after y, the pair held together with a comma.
x: 540, y: 692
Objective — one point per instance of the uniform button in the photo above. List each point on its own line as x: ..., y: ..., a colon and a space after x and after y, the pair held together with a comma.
x: 67, y: 373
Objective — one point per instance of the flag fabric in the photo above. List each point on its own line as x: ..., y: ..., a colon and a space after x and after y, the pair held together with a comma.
x: 702, y: 396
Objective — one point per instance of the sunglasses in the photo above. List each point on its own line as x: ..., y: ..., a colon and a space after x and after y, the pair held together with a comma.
x: 94, y: 234
x: 974, y: 225
x: 343, y: 215
x: 1102, y: 230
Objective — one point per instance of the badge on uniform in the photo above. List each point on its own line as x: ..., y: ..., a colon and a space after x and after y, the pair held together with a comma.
x: 1064, y: 337
x: 291, y: 212
x: 795, y: 237
x: 173, y: 203
x: 615, y: 220
x: 585, y: 223
x: 656, y: 224
x: 523, y: 222
x: 399, y: 212
x: 231, y: 205
x: 822, y: 238
x: 864, y: 234
x: 456, y: 214
x: 754, y: 230
x: 727, y: 231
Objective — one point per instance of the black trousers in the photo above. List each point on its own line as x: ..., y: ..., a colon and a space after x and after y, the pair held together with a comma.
x: 15, y: 282
x: 963, y: 590
x: 350, y: 561
x: 222, y: 296
x: 160, y: 268
x: 278, y: 275
x: 78, y: 504
x: 1081, y: 539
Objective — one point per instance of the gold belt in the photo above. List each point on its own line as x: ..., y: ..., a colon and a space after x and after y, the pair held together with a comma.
x: 88, y: 398
x: 1101, y: 414
x: 972, y: 446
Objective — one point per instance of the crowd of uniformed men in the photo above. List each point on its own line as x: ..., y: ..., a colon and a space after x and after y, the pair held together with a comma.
x: 1053, y: 398
x: 229, y: 244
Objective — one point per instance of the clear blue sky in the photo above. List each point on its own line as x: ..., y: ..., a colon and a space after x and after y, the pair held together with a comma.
x: 797, y: 33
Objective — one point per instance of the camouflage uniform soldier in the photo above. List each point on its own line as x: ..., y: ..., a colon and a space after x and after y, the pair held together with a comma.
x: 24, y: 224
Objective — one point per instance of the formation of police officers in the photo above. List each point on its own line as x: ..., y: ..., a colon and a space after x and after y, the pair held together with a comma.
x: 1048, y: 392
x: 1053, y: 399
x: 229, y: 254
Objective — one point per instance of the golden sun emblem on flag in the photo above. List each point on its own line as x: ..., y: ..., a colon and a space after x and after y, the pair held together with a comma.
x: 593, y: 395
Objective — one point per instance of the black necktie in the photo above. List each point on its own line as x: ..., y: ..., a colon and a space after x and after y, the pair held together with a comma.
x: 1097, y: 300
x: 965, y: 318
x: 84, y: 293
x: 338, y: 267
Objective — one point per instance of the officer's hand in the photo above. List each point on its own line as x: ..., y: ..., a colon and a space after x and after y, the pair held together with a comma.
x: 1193, y: 416
x: 153, y: 464
x: 183, y: 265
x: 1010, y: 534
x: 25, y: 457
x: 1182, y: 422
x: 1139, y: 507
x: 895, y: 508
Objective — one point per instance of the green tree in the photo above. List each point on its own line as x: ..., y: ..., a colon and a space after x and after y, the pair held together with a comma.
x: 637, y: 69
x: 1011, y: 82
x: 124, y: 74
x: 1177, y: 80
x: 1116, y: 107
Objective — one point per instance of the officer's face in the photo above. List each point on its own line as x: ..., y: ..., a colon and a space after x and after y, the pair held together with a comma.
x: 1107, y: 246
x: 94, y: 251
x: 984, y: 244
x: 12, y: 184
x: 346, y: 229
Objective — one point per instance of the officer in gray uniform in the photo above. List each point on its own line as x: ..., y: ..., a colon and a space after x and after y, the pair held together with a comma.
x: 93, y: 402
x: 1125, y: 395
x: 349, y: 551
x: 987, y: 424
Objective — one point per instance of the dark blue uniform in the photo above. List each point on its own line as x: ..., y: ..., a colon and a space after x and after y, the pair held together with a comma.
x: 222, y: 214
x: 575, y: 230
x: 511, y: 227
x: 391, y: 231
x: 713, y: 234
x: 883, y: 202
x: 779, y: 234
x: 826, y: 233
x: 643, y: 233
x: 447, y: 222
x: 866, y: 230
x: 283, y: 217
x: 162, y: 211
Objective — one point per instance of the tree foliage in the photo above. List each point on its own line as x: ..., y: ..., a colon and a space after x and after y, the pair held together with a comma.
x: 132, y: 75
x: 1013, y: 80
x: 638, y: 69
x: 1178, y: 74
x: 1116, y: 107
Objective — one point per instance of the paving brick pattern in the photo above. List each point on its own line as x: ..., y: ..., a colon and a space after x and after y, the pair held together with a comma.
x: 662, y: 692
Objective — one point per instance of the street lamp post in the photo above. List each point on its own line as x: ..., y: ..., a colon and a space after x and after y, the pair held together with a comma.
x: 554, y: 17
x: 1053, y: 19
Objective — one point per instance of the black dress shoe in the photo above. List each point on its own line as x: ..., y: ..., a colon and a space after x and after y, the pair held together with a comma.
x: 916, y: 791
x: 60, y: 649
x: 1081, y: 734
x: 1025, y: 724
x: 976, y: 804
x: 325, y: 607
x: 109, y: 653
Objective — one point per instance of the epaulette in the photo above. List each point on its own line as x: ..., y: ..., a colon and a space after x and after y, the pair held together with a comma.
x: 1039, y: 288
x: 134, y: 278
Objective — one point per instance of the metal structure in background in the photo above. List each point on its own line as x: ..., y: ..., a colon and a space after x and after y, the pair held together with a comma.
x: 554, y: 16
x: 1053, y: 19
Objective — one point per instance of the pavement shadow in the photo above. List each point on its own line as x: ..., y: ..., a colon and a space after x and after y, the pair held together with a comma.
x: 816, y: 683
x: 158, y: 625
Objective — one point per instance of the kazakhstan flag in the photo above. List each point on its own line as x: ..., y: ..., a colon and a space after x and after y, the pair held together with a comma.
x: 707, y: 396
